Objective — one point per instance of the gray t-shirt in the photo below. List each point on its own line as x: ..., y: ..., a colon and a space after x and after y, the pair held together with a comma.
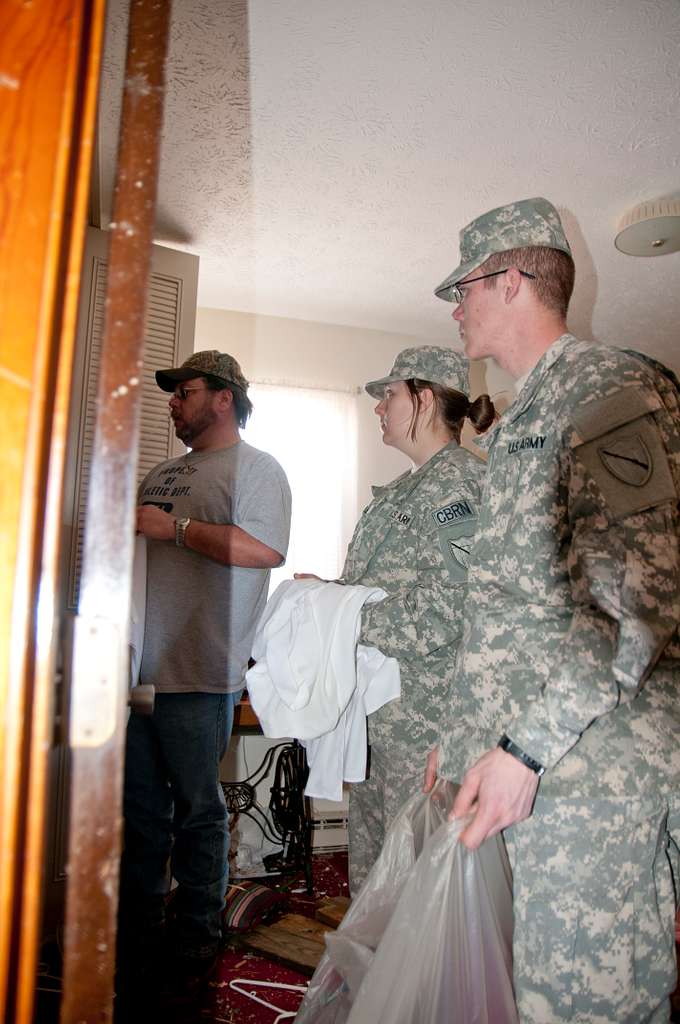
x: 200, y: 614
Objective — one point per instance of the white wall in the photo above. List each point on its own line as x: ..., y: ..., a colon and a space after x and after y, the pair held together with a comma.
x: 326, y: 355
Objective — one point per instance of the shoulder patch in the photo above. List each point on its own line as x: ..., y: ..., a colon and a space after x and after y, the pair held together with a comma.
x: 460, y: 548
x: 456, y: 523
x: 628, y: 459
x: 618, y: 443
x: 455, y: 512
x: 630, y: 466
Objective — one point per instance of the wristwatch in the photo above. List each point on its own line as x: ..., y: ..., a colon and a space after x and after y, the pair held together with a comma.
x: 180, y: 530
x: 506, y: 744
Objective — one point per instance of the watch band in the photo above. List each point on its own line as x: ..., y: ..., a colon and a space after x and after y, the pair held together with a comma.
x: 180, y: 530
x: 506, y: 744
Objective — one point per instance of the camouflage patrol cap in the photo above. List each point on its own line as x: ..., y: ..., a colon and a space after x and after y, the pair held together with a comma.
x: 427, y: 362
x: 208, y: 363
x: 526, y: 222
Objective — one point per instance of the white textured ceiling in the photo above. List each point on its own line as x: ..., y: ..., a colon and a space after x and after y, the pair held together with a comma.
x: 321, y: 156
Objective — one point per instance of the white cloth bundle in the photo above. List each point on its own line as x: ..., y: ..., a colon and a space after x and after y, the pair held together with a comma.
x: 312, y: 681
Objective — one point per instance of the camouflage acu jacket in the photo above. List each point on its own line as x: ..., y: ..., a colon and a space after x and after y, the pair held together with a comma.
x: 413, y: 540
x: 571, y: 645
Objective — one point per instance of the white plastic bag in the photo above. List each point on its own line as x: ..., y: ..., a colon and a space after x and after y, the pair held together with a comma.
x: 428, y: 938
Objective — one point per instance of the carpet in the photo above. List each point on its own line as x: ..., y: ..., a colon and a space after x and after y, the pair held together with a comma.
x: 219, y: 1002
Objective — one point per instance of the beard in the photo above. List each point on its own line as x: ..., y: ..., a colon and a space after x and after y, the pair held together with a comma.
x: 188, y: 430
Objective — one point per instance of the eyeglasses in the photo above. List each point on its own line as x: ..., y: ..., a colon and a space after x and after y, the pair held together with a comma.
x: 182, y: 393
x: 457, y: 293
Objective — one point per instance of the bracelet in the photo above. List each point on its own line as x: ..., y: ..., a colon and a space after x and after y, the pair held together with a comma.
x: 506, y: 744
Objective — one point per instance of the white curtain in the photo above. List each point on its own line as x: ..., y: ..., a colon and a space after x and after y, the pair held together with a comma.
x: 313, y: 434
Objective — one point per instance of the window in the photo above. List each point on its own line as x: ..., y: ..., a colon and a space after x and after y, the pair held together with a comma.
x: 313, y: 434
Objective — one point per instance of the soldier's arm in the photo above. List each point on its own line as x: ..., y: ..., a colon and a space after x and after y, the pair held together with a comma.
x: 624, y: 570
x: 417, y: 619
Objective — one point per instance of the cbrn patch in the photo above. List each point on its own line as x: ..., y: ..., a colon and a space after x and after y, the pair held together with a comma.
x: 458, y: 511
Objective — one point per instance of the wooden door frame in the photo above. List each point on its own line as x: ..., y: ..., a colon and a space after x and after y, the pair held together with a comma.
x: 99, y: 674
x: 50, y: 55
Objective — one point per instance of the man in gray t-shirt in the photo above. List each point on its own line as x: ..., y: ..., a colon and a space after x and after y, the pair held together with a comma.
x: 216, y: 520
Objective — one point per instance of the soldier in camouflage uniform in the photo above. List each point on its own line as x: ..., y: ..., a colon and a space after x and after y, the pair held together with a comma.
x: 413, y: 540
x: 571, y: 652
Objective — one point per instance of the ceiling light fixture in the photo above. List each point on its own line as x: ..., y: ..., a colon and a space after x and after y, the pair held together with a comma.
x: 650, y: 229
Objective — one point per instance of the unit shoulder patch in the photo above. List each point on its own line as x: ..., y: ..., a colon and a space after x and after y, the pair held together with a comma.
x: 460, y: 548
x: 628, y: 458
x: 629, y: 464
x: 456, y: 523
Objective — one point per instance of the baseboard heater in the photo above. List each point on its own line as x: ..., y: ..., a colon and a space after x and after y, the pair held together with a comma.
x: 329, y: 833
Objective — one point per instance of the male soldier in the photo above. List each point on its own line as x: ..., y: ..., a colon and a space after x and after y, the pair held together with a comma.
x: 216, y: 520
x: 565, y: 715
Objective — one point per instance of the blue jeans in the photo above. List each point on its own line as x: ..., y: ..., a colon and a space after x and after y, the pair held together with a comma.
x: 176, y: 818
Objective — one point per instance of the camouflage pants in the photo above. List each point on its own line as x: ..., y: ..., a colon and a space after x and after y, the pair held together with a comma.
x: 594, y: 900
x: 373, y: 806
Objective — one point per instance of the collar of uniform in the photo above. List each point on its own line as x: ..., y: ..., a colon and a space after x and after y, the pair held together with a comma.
x: 379, y: 489
x: 535, y: 378
x: 413, y: 476
x: 529, y: 389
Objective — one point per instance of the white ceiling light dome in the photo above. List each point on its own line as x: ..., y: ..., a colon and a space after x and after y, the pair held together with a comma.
x: 650, y: 229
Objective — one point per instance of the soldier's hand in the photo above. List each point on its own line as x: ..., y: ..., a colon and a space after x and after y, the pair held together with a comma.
x: 307, y: 576
x: 431, y: 769
x: 154, y: 523
x: 498, y: 791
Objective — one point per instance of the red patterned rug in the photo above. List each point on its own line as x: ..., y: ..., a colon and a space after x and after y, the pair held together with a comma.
x: 220, y: 1003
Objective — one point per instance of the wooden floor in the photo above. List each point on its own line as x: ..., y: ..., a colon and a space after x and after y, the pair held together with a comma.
x: 296, y: 941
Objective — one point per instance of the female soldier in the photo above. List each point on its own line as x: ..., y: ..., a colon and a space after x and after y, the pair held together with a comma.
x: 413, y: 540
